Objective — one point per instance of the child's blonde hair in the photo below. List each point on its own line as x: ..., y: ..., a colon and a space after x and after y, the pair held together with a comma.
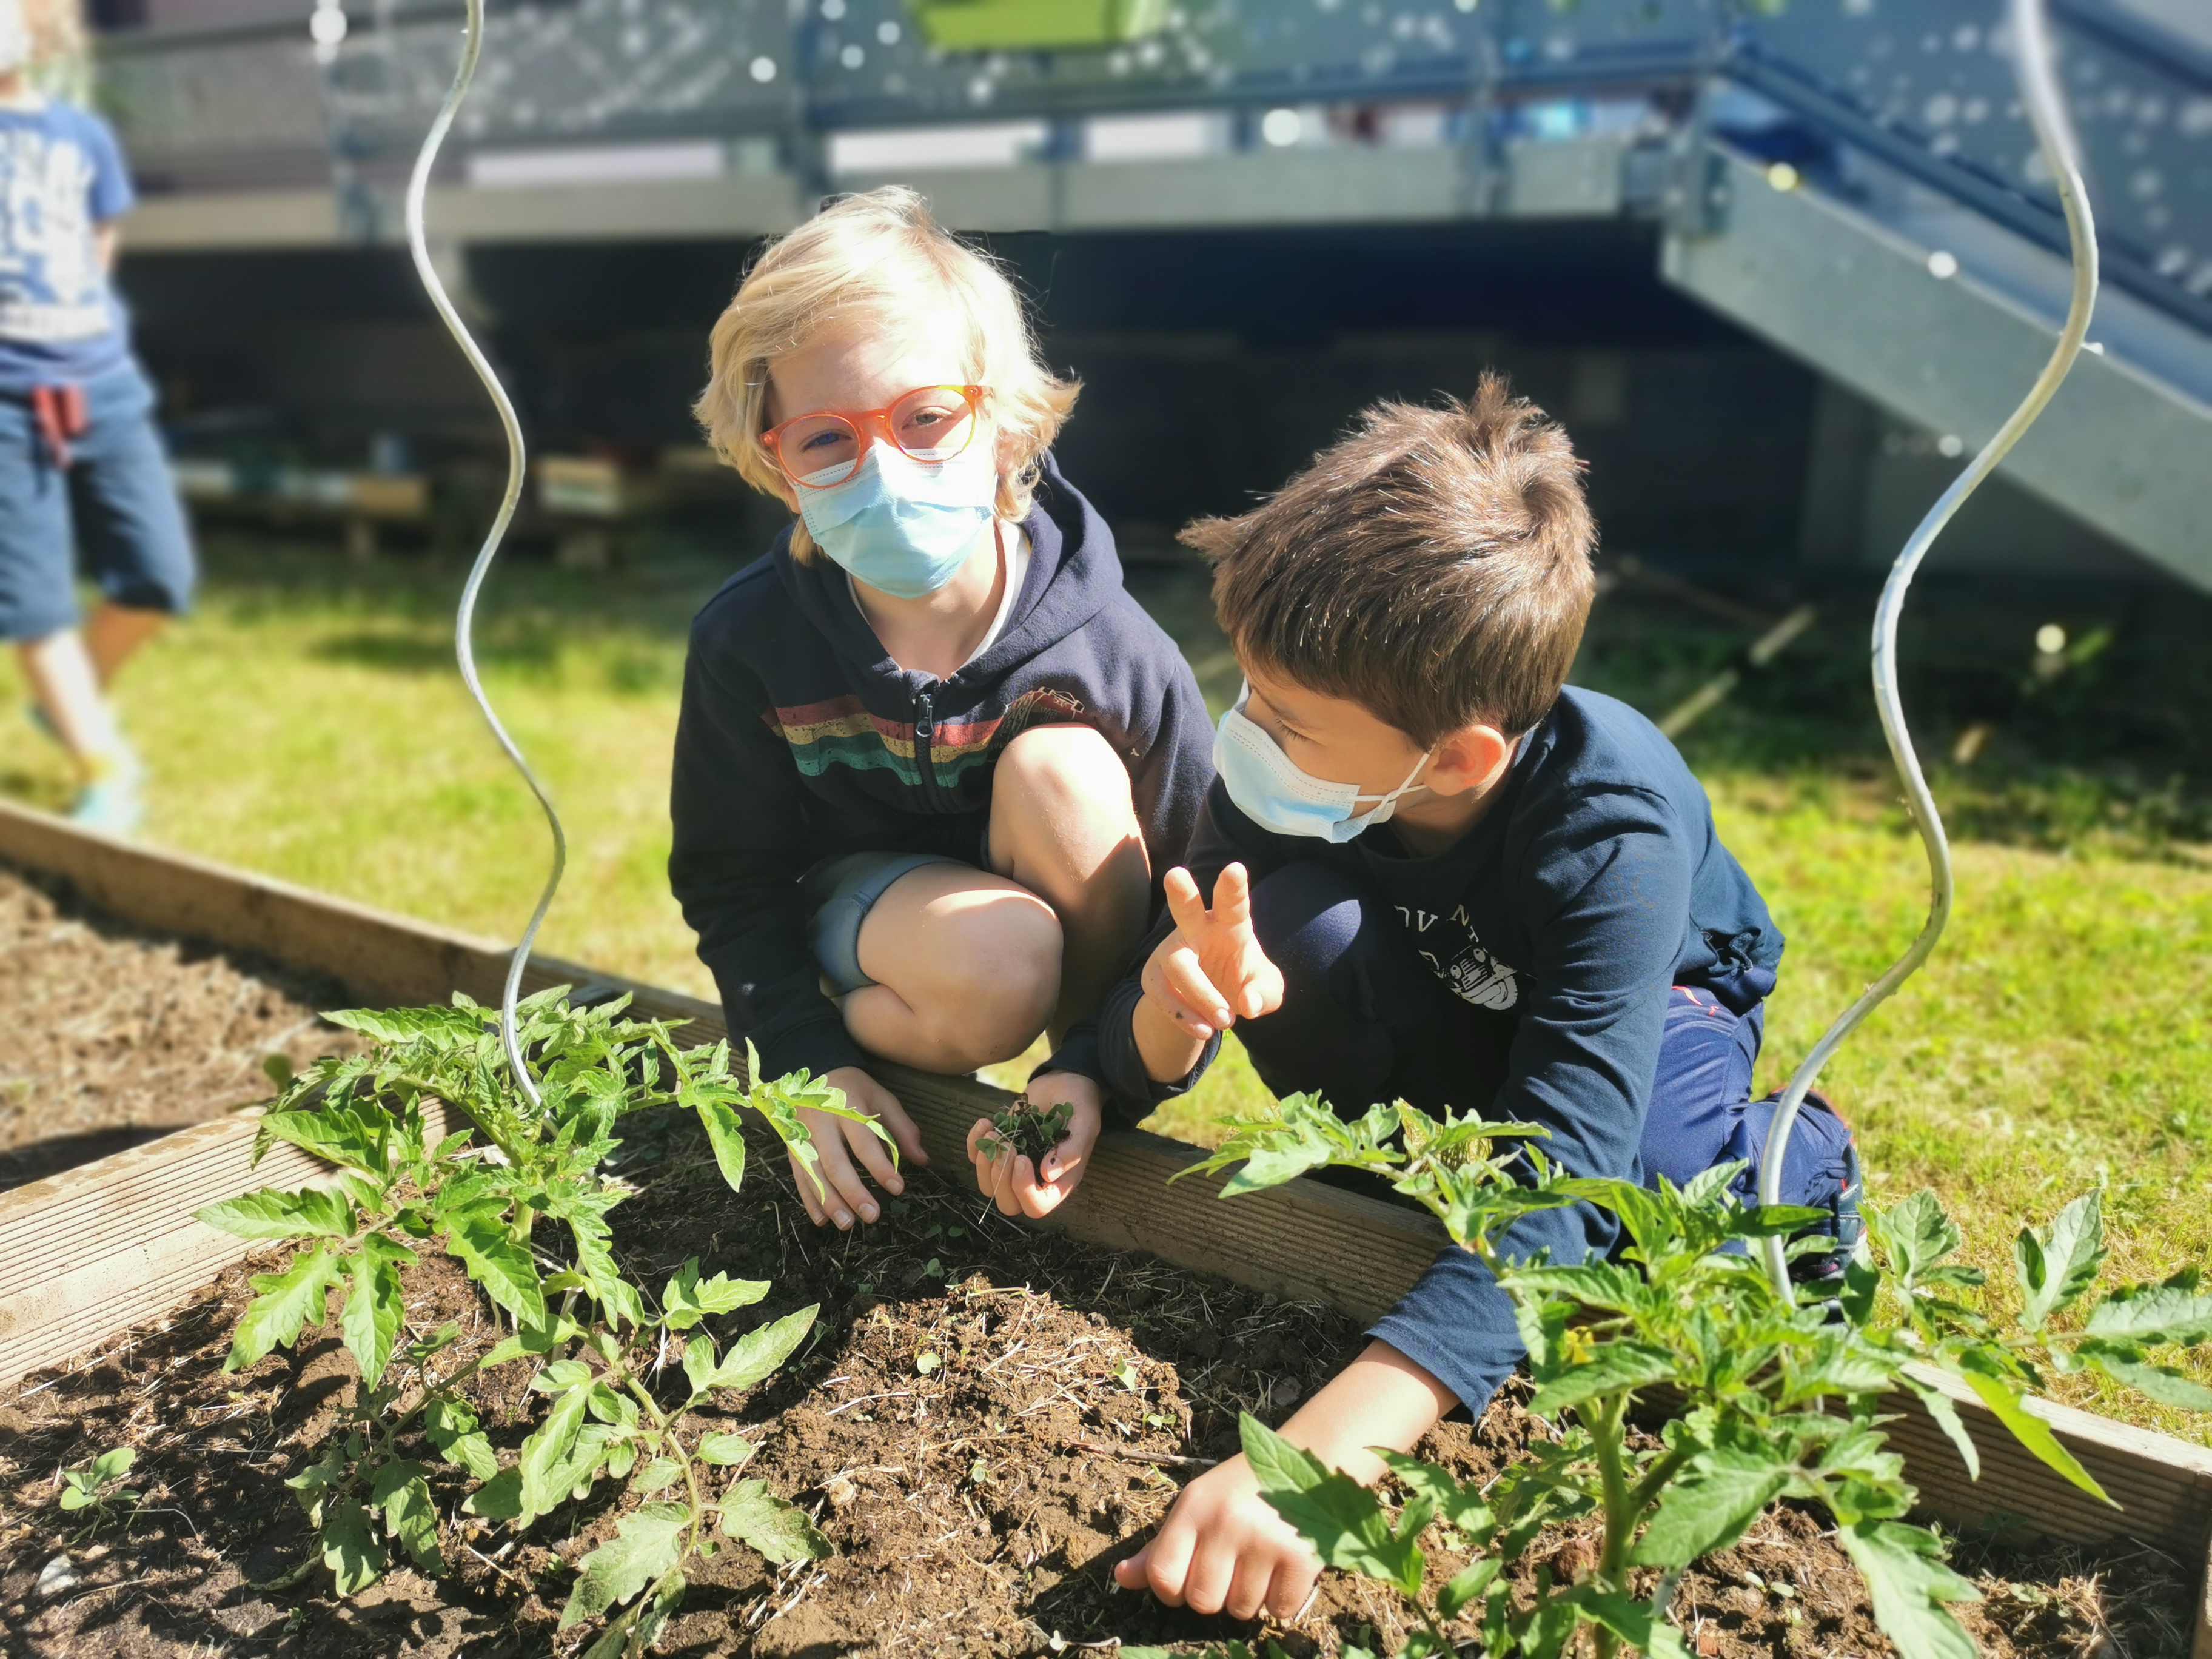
x: 879, y: 258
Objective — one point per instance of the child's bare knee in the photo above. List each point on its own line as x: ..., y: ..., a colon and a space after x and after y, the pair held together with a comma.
x: 1070, y: 773
x: 1008, y: 973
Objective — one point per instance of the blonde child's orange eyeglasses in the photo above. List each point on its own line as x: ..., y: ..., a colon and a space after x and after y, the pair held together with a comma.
x: 930, y: 424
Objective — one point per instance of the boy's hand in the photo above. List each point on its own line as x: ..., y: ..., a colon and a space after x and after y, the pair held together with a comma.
x: 1225, y: 1549
x: 1224, y: 1545
x: 838, y: 1141
x: 1011, y: 1179
x: 1210, y: 972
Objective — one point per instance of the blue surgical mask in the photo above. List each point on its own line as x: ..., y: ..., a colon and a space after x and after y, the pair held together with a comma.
x: 904, y: 526
x: 1270, y: 789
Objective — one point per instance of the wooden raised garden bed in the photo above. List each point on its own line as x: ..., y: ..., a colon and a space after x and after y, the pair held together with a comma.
x: 109, y: 1249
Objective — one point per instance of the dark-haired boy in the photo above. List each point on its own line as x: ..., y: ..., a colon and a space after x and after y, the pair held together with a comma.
x: 1429, y: 871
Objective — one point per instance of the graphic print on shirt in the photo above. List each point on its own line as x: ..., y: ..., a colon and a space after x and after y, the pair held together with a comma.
x: 1472, y: 972
x: 51, y: 286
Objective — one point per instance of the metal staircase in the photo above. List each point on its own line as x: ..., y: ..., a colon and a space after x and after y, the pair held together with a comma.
x: 1849, y: 178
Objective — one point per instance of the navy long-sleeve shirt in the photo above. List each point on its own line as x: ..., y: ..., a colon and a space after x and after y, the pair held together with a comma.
x: 799, y: 738
x: 1593, y: 883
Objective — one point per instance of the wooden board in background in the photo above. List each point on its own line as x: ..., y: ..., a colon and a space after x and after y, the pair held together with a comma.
x: 93, y: 1251
x: 1301, y: 1240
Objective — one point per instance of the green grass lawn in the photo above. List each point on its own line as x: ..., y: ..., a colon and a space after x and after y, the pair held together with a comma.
x: 308, y: 723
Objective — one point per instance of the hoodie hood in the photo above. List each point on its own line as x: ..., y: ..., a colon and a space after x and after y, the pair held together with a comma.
x: 1074, y: 573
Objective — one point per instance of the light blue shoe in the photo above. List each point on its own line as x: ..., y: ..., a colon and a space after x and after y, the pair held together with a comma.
x: 111, y: 803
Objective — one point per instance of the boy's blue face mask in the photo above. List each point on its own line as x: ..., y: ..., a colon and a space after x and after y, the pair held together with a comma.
x: 902, y: 525
x: 1270, y: 789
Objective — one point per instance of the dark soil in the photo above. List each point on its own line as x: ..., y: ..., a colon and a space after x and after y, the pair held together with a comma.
x: 111, y: 1038
x: 977, y: 1503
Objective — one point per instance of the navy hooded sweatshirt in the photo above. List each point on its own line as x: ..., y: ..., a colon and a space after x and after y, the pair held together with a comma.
x: 1595, y: 882
x: 801, y: 739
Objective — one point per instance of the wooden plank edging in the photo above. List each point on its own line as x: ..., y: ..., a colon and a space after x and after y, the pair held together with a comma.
x: 1302, y: 1240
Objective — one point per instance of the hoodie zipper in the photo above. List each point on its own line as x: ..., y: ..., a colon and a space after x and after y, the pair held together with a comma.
x: 925, y: 731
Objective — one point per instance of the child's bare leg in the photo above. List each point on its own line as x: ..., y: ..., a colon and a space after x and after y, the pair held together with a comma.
x: 967, y: 969
x: 115, y: 632
x: 1063, y: 824
x: 66, y: 684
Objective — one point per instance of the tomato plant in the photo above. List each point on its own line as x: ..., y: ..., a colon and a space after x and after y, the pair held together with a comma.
x: 522, y: 1180
x: 1776, y: 1396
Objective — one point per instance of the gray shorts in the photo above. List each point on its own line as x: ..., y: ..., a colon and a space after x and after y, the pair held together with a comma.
x: 838, y: 894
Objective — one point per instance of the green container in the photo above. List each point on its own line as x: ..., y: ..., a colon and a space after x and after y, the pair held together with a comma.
x: 1033, y: 25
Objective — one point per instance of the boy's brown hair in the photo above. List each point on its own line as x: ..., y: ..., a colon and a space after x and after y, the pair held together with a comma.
x: 1433, y: 567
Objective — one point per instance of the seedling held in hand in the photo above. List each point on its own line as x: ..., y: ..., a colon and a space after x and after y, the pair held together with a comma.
x: 1028, y: 1130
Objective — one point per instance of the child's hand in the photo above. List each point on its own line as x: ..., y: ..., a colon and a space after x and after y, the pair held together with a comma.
x: 1210, y: 972
x: 1223, y: 1548
x: 1011, y: 1179
x: 839, y: 1140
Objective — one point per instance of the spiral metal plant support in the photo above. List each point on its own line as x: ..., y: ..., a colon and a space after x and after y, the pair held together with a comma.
x: 464, y: 622
x: 2046, y: 113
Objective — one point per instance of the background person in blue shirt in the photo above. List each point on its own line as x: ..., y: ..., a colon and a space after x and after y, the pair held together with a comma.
x: 1430, y: 870
x: 82, y: 462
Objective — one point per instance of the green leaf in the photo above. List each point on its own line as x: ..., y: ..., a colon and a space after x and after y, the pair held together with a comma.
x: 1906, y: 1577
x: 404, y: 1495
x: 1861, y: 1281
x: 448, y: 1029
x: 2151, y: 1314
x: 753, y: 1356
x: 483, y: 1246
x: 2059, y: 1262
x: 1708, y: 1506
x: 1467, y: 1586
x: 269, y: 1213
x: 1460, y: 1507
x: 451, y: 1427
x: 283, y: 1303
x: 688, y: 1298
x: 532, y: 1339
x: 112, y: 1465
x: 658, y: 1475
x: 1612, y: 1368
x: 499, y: 1498
x: 725, y: 1135
x: 545, y: 1455
x: 2126, y: 1362
x: 1636, y: 1623
x: 335, y: 1135
x: 724, y: 1449
x: 2004, y: 1398
x: 781, y: 1532
x: 1344, y: 1521
x: 374, y: 1309
x: 647, y: 1543
x: 1915, y: 1234
x: 557, y: 1375
x: 353, y: 1552
x: 1945, y: 1410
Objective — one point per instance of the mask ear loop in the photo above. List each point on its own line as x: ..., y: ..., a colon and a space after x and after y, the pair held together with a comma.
x: 2046, y: 112
x: 464, y: 645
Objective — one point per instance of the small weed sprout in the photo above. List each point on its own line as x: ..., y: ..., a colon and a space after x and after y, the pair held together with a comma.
x: 1031, y: 1131
x: 1780, y: 1396
x: 592, y: 1335
x: 97, y: 1485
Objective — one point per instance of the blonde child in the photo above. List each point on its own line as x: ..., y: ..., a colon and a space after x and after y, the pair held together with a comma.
x: 931, y: 753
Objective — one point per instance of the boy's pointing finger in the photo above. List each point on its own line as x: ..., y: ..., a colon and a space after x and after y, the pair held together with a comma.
x: 1184, y: 904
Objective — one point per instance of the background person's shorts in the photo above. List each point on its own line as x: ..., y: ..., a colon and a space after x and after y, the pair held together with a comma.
x: 118, y: 503
x: 839, y: 893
